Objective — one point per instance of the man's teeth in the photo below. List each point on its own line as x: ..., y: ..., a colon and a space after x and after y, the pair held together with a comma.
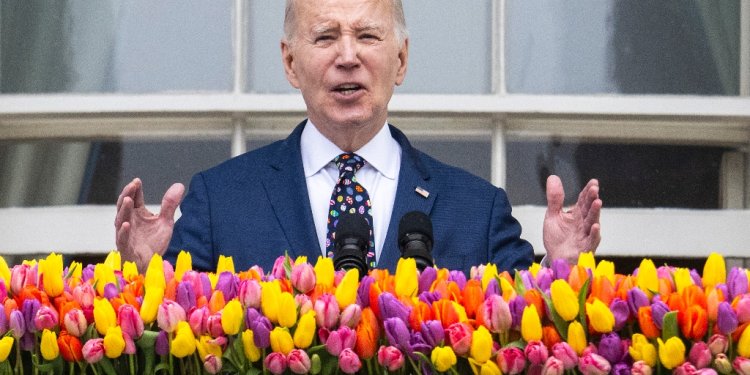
x: 347, y: 89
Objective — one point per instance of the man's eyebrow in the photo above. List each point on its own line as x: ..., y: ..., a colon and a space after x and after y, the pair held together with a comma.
x: 323, y: 28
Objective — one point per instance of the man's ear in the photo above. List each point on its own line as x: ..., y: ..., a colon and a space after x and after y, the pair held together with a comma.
x: 403, y: 58
x: 287, y: 58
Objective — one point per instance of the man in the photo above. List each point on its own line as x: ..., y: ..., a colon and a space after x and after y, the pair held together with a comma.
x: 346, y: 57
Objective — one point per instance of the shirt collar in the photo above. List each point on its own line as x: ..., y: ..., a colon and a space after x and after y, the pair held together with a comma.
x: 317, y: 151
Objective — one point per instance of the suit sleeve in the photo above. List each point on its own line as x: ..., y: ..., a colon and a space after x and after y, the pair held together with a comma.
x: 506, y: 247
x: 192, y: 231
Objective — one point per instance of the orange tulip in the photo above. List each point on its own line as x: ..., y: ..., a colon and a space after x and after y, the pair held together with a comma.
x: 368, y: 334
x: 713, y: 298
x: 675, y: 302
x: 602, y: 289
x: 445, y: 312
x: 419, y: 313
x: 646, y: 322
x: 375, y: 292
x: 473, y: 296
x: 665, y: 287
x: 577, y: 277
x: 693, y: 295
x: 534, y: 297
x: 550, y: 336
x: 170, y: 292
x: 216, y: 303
x: 694, y: 322
x: 623, y: 285
x: 70, y: 347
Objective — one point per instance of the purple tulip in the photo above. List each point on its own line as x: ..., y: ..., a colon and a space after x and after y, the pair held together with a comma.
x: 560, y: 269
x: 185, y: 296
x: 397, y: 333
x: 17, y: 324
x: 391, y: 307
x: 610, y: 347
x: 726, y: 319
x: 493, y: 288
x: 417, y: 344
x: 363, y: 292
x: 162, y: 343
x: 28, y: 341
x: 426, y: 278
x: 636, y: 299
x: 29, y: 309
x: 697, y: 280
x: 658, y: 310
x: 228, y: 285
x: 544, y: 279
x: 262, y: 332
x: 3, y: 320
x: 527, y: 279
x: 206, y: 285
x: 87, y: 273
x: 621, y: 369
x: 621, y: 312
x: 736, y: 282
x: 429, y: 297
x: 517, y: 305
x: 110, y: 291
x: 459, y: 277
x: 251, y: 315
x: 433, y: 332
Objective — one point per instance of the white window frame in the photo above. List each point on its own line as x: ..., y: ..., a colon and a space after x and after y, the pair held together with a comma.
x: 672, y: 119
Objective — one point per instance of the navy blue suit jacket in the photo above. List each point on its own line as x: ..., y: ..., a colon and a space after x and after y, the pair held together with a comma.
x: 254, y: 207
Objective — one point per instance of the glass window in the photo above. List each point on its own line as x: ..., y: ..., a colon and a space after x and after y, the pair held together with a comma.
x: 65, y: 172
x: 630, y: 175
x: 629, y: 46
x: 111, y: 46
x: 469, y: 154
x: 449, y: 47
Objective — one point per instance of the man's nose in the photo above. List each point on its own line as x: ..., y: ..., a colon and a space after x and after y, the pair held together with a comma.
x: 348, y: 53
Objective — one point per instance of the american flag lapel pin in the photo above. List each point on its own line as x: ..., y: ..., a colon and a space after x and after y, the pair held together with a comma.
x: 421, y: 191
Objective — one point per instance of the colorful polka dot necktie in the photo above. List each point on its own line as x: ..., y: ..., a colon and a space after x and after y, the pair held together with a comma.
x: 349, y: 196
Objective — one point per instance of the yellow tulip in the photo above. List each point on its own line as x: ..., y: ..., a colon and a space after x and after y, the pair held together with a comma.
x: 151, y: 301
x: 281, y: 341
x: 714, y: 271
x: 75, y: 270
x: 213, y: 278
x: 48, y: 346
x: 4, y: 271
x: 577, y: 337
x: 252, y: 352
x: 155, y: 273
x: 231, y: 317
x: 103, y: 275
x: 460, y: 311
x: 104, y: 315
x: 443, y: 358
x: 183, y: 343
x: 489, y: 368
x: 225, y: 264
x: 184, y: 263
x: 324, y: 272
x: 647, y: 278
x: 406, y: 282
x: 682, y: 279
x: 300, y: 259
x: 346, y: 291
x: 114, y: 260
x: 6, y: 344
x: 507, y: 288
x: 600, y: 316
x: 642, y: 350
x: 52, y: 274
x: 114, y: 343
x: 531, y: 325
x: 534, y: 268
x: 564, y: 299
x: 206, y: 346
x: 607, y: 269
x: 671, y: 353
x: 490, y: 272
x: 270, y: 293
x: 743, y: 346
x: 287, y: 310
x: 129, y: 270
x: 481, y: 345
x: 305, y: 331
x: 586, y: 260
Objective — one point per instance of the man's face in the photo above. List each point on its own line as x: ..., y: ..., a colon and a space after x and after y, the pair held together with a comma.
x: 345, y: 58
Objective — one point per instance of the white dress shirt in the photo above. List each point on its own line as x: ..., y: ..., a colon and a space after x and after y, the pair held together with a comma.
x: 379, y: 176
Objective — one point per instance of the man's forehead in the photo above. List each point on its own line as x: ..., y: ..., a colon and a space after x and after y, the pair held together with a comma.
x: 335, y: 14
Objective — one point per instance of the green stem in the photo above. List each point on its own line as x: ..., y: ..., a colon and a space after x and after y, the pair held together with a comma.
x: 131, y: 361
x: 414, y: 365
x: 731, y: 348
x: 171, y: 359
x: 454, y: 371
x: 19, y: 363
x: 93, y: 367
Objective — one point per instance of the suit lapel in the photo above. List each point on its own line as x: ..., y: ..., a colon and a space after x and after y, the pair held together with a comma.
x: 287, y: 191
x: 413, y: 175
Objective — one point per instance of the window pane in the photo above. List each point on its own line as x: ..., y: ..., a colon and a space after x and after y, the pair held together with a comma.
x: 449, y: 47
x: 112, y: 46
x: 627, y: 46
x: 471, y: 155
x: 41, y: 173
x: 630, y: 175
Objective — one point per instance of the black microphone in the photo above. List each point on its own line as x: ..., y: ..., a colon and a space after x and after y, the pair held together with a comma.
x: 351, y: 244
x: 415, y: 238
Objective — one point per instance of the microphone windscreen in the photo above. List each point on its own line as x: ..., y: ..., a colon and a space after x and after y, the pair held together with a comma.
x: 415, y: 222
x: 353, y: 226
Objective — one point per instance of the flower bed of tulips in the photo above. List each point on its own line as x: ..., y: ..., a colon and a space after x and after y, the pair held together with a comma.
x: 298, y: 318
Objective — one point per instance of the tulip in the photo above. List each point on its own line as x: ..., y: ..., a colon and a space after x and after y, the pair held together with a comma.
x: 443, y: 358
x: 367, y: 334
x: 536, y: 352
x: 564, y: 299
x: 262, y: 332
x: 84, y: 294
x: 183, y: 343
x: 636, y: 299
x: 29, y: 308
x: 249, y: 293
x: 600, y: 316
x: 130, y: 322
x: 342, y: 338
x: 722, y: 364
x: 114, y: 342
x: 3, y: 315
x: 742, y: 308
x: 252, y: 352
x: 161, y: 346
x: 432, y: 332
x: 303, y: 277
x: 170, y: 313
x: 151, y: 302
x: 52, y: 275
x: 460, y: 337
x: 324, y: 272
x: 104, y: 315
x: 694, y: 322
x: 103, y: 275
x: 198, y: 320
x: 6, y: 344
x: 46, y: 318
x: 287, y: 313
x: 489, y: 368
x: 610, y: 347
x: 553, y: 366
x: 391, y: 307
x: 565, y: 354
x: 281, y: 340
x: 647, y: 279
x: 700, y: 355
x: 186, y: 295
x: 593, y: 364
x: 276, y: 363
x: 346, y: 291
x: 511, y: 360
x: 736, y: 282
x: 155, y: 273
x: 231, y: 317
x: 743, y: 345
x: 228, y: 285
x: 48, y: 346
x: 4, y: 272
x: 16, y: 324
x: 93, y: 350
x: 671, y: 352
x: 213, y: 324
x: 576, y: 337
x: 620, y: 311
x: 299, y: 361
x: 741, y: 365
x: 270, y: 295
x: 326, y: 311
x: 305, y: 331
x: 207, y: 346
x: 212, y: 364
x: 531, y: 326
x: 726, y: 319
x: 391, y: 358
x: 641, y: 368
x: 481, y: 345
x: 714, y: 271
x: 718, y: 343
x: 349, y: 362
x: 642, y: 350
x: 495, y: 314
x: 351, y: 315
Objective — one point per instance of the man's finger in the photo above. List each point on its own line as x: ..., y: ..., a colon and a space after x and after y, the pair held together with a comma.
x: 127, y: 191
x: 555, y: 195
x: 124, y: 212
x: 592, y: 216
x: 171, y: 200
x: 121, y: 237
x: 138, y: 200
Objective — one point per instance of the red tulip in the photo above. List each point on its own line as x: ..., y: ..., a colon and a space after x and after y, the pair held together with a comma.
x: 70, y: 347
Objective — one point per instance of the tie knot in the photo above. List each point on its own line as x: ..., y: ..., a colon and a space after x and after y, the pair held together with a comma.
x: 349, y: 163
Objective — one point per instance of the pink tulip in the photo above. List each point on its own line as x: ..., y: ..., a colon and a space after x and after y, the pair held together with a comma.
x: 566, y: 354
x: 495, y: 314
x: 700, y: 355
x: 553, y: 366
x: 718, y: 344
x: 18, y: 276
x: 511, y: 360
x: 459, y: 337
x: 213, y: 323
x: 84, y: 294
x: 276, y: 363
x: 593, y: 364
x: 743, y: 308
x: 304, y: 303
x: 299, y: 361
x: 641, y: 368
x: 536, y: 352
x: 129, y: 344
x: 741, y: 365
x: 212, y: 364
x: 198, y: 320
x: 686, y: 368
x: 351, y: 315
x: 93, y: 350
x: 349, y: 362
x: 46, y: 318
x: 169, y: 314
x: 390, y: 357
x: 303, y: 277
x: 249, y: 293
x: 338, y: 340
x: 130, y: 321
x: 327, y: 311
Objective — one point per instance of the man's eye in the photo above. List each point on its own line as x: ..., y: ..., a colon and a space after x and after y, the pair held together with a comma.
x: 323, y: 38
x: 369, y: 37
